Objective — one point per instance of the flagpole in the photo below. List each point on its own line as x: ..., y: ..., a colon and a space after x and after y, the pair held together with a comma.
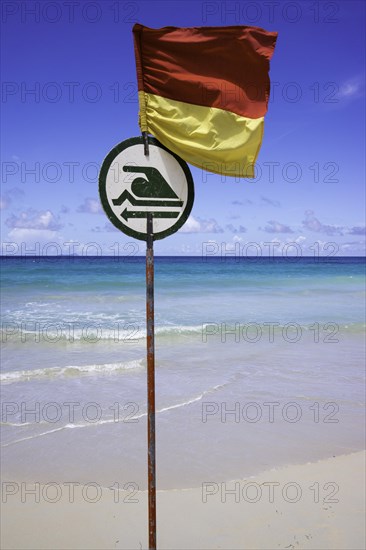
x: 151, y: 191
x: 150, y: 380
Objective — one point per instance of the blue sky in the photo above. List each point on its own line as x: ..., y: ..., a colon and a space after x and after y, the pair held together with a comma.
x: 69, y: 95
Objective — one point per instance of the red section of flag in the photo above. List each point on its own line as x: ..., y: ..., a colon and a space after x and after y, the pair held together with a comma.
x: 223, y: 67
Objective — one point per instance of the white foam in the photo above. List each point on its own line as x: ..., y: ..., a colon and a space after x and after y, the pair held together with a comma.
x: 70, y: 370
x: 185, y: 403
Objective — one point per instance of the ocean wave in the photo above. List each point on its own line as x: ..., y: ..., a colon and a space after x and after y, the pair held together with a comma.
x: 69, y: 371
x: 188, y: 401
x: 61, y: 333
x: 133, y: 333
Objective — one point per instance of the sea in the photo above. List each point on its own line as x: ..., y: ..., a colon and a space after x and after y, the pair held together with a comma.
x: 260, y: 363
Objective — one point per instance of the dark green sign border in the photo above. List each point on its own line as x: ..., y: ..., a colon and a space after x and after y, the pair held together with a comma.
x: 117, y: 222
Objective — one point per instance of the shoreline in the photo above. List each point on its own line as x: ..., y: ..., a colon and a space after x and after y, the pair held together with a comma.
x: 317, y: 505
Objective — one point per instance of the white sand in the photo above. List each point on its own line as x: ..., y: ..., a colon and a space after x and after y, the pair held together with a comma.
x: 185, y: 522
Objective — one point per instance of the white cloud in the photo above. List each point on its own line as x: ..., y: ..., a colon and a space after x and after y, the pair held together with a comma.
x: 107, y: 227
x: 199, y: 225
x: 31, y: 219
x: 90, y: 206
x: 191, y: 226
x: 270, y: 202
x: 300, y: 239
x: 355, y: 247
x: 277, y: 227
x: 351, y: 88
x: 313, y: 224
x: 357, y: 230
x: 31, y: 235
x: 9, y: 196
x: 232, y: 229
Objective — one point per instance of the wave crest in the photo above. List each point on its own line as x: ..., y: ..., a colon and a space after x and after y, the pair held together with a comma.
x: 69, y: 371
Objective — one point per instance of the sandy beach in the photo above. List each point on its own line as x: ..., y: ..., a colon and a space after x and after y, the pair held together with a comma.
x: 316, y: 505
x: 260, y: 432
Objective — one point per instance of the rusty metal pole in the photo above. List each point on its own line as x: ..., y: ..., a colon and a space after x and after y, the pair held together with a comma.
x: 150, y: 381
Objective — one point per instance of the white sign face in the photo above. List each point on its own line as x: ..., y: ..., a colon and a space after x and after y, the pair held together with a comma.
x: 131, y: 185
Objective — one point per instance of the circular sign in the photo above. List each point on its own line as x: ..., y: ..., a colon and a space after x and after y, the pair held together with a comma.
x: 132, y: 185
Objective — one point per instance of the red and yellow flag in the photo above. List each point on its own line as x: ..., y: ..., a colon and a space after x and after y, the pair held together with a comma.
x: 203, y: 92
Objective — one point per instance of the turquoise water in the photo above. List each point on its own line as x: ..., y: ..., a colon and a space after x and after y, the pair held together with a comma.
x: 279, y: 342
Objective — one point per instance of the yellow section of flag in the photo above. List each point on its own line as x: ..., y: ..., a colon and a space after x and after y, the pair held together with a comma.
x: 197, y: 132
